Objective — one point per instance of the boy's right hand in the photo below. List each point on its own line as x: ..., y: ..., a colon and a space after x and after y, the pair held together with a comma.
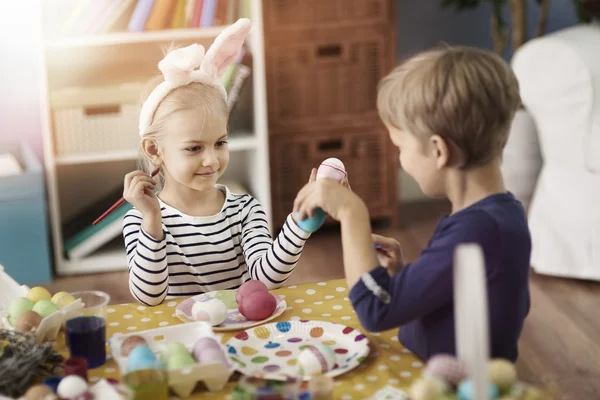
x: 138, y: 190
x: 389, y: 253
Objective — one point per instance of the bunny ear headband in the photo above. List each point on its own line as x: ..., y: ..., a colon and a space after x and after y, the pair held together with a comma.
x: 190, y: 64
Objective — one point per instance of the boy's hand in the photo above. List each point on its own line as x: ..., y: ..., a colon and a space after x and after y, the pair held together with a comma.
x: 389, y: 253
x: 330, y: 196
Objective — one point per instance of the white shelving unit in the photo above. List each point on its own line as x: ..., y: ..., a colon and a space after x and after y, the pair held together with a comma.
x: 76, y: 180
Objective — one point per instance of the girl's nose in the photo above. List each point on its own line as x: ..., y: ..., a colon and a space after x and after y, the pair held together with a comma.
x: 209, y: 159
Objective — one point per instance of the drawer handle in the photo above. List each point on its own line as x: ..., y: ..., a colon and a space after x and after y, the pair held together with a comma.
x: 102, y: 110
x: 329, y: 145
x: 332, y: 50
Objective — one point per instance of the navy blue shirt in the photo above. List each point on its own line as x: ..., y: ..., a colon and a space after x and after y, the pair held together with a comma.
x: 421, y: 294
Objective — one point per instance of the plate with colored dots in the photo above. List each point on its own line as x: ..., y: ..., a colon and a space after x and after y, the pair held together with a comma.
x: 270, y: 351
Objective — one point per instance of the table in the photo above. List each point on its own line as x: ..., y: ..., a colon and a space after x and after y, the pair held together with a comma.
x: 389, y: 363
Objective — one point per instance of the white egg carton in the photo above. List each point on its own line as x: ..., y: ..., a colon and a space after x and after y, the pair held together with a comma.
x: 49, y: 327
x: 181, y: 381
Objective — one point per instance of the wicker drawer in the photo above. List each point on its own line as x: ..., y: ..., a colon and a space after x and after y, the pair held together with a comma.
x: 284, y: 15
x: 95, y: 120
x: 326, y: 81
x: 366, y: 155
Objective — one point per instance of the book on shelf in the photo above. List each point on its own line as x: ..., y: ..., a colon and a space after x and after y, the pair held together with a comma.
x: 83, y: 238
x: 89, y: 17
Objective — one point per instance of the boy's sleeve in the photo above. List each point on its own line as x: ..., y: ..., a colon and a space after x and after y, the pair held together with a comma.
x: 384, y: 302
x: 270, y: 261
x: 147, y: 262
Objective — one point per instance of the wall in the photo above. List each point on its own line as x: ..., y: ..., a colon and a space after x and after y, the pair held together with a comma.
x: 424, y: 23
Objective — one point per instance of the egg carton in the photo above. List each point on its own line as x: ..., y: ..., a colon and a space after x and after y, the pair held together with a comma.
x: 181, y: 381
x: 49, y: 327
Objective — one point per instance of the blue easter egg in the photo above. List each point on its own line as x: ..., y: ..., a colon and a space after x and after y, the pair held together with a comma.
x: 142, y: 357
x: 465, y: 391
x: 311, y: 225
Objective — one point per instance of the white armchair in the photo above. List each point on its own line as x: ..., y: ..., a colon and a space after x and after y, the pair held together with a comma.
x: 552, y: 159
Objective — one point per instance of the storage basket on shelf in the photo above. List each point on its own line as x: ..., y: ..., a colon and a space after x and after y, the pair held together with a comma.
x: 321, y: 79
x: 283, y: 15
x: 95, y: 120
x: 365, y: 155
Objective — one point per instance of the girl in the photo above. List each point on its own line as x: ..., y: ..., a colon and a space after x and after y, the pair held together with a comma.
x: 195, y: 236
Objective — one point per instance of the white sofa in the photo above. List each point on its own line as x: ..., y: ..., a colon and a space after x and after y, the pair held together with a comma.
x: 552, y: 159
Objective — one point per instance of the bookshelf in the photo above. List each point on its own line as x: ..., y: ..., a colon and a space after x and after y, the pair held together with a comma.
x: 76, y: 179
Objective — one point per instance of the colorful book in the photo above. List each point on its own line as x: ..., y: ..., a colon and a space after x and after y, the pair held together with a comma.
x: 231, y: 12
x: 178, y: 20
x: 140, y: 15
x: 221, y: 13
x: 241, y: 75
x: 195, y: 22
x: 161, y: 15
x: 124, y: 7
x: 189, y: 12
x: 89, y: 16
x: 208, y: 13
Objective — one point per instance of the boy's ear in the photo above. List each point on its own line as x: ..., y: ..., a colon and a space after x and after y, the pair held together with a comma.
x: 152, y: 151
x: 440, y: 150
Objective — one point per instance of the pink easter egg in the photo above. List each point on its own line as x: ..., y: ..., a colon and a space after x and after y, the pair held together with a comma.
x: 204, y: 344
x: 258, y: 306
x: 211, y: 355
x: 331, y: 168
x: 251, y: 286
x: 446, y: 368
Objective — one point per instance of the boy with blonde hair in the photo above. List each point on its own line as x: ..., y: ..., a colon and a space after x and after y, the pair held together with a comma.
x: 449, y: 112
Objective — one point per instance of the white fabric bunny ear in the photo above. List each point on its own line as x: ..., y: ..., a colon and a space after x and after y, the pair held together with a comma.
x: 226, y: 48
x: 190, y: 64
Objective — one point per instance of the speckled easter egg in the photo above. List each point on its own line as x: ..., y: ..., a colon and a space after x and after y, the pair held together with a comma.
x: 258, y: 306
x: 28, y: 321
x: 331, y: 168
x: 502, y: 373
x: 447, y: 368
x: 316, y: 359
x: 71, y: 387
x: 213, y: 311
x: 251, y: 286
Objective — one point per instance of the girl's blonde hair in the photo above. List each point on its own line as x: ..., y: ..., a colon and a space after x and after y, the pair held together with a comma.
x: 465, y: 95
x: 205, y: 98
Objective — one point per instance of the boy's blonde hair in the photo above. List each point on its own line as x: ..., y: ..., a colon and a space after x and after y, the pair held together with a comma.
x: 206, y: 99
x: 466, y: 95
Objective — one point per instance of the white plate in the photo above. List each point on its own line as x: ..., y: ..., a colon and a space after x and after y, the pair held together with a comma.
x: 270, y: 351
x: 234, y: 320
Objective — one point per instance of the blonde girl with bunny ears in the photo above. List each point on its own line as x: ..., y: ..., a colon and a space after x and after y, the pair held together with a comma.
x: 187, y: 234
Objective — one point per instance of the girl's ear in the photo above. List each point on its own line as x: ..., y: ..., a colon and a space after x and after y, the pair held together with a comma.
x: 226, y: 48
x: 440, y: 150
x: 152, y: 151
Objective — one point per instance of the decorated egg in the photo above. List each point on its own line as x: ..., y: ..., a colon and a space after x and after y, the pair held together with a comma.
x: 142, y: 357
x: 248, y: 287
x: 40, y: 392
x: 17, y: 307
x: 502, y: 374
x: 130, y: 343
x: 447, y: 368
x: 38, y: 293
x: 213, y: 311
x: 332, y: 168
x: 71, y: 386
x: 316, y: 359
x: 45, y: 308
x: 258, y: 306
x: 28, y: 321
x: 466, y: 389
x: 427, y: 389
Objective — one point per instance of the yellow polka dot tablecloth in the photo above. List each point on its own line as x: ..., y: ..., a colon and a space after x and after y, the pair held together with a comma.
x: 388, y: 362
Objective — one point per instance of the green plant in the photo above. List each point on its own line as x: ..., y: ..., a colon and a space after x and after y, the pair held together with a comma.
x: 500, y: 29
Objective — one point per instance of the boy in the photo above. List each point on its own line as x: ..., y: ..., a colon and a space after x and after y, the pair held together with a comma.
x: 449, y: 112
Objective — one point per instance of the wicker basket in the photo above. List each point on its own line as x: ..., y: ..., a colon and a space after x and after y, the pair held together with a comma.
x: 366, y: 155
x: 95, y: 120
x: 285, y: 15
x: 326, y: 80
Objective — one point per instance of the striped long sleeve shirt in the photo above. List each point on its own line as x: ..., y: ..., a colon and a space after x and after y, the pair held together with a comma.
x: 203, y: 254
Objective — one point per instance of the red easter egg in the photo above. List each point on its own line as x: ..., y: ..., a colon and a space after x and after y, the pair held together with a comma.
x: 251, y: 286
x: 258, y: 305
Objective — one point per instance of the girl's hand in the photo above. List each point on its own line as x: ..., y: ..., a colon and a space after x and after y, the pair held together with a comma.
x: 389, y: 253
x: 138, y: 190
x: 333, y: 198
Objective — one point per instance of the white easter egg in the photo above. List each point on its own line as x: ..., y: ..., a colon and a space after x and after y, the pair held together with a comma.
x: 213, y: 311
x: 316, y: 359
x: 332, y: 168
x: 71, y: 386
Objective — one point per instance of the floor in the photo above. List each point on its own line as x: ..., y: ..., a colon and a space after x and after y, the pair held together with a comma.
x: 560, y: 344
